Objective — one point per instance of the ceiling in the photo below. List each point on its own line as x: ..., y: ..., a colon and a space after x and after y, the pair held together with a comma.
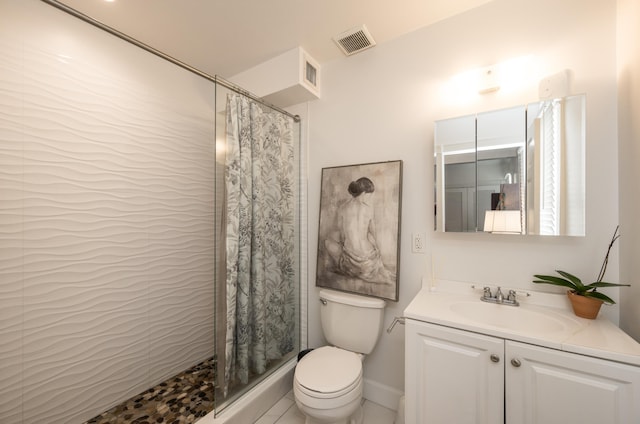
x: 225, y: 37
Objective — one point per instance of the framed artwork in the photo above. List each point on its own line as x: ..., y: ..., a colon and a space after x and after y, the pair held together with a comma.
x: 359, y: 230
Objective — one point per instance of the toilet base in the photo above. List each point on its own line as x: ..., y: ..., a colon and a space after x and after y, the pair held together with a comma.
x: 356, y: 418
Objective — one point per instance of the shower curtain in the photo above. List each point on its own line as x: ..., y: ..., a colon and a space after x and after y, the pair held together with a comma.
x: 260, y: 245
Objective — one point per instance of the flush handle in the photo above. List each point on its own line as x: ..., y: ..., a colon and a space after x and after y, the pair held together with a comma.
x: 494, y: 358
x: 516, y: 362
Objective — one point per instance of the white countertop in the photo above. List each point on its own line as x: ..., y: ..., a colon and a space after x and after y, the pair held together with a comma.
x: 542, y: 319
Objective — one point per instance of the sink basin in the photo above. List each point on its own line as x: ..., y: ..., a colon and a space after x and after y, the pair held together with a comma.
x: 514, y: 318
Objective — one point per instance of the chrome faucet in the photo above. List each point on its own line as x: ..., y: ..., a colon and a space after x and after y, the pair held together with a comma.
x: 499, y: 297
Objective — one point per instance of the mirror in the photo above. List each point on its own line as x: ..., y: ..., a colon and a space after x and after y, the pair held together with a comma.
x: 518, y: 170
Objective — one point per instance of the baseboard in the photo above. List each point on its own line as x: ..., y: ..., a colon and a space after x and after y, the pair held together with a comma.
x: 382, y: 394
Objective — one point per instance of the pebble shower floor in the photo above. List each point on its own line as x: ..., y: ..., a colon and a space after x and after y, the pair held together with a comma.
x: 181, y: 399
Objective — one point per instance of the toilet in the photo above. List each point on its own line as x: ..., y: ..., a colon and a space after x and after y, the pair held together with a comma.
x: 327, y: 382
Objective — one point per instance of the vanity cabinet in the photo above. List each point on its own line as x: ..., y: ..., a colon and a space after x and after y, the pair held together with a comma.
x: 462, y: 377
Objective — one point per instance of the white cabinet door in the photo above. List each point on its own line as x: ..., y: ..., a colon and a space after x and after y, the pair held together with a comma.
x: 546, y: 386
x: 453, y: 376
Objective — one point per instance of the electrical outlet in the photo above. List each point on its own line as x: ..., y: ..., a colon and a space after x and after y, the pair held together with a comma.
x: 417, y: 243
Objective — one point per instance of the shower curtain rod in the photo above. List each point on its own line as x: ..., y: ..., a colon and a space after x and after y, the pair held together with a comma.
x: 215, y: 79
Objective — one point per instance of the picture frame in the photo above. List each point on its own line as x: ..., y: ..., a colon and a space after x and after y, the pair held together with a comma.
x: 359, y: 229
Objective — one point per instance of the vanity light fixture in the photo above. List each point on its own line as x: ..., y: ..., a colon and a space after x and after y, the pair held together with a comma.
x: 509, y: 76
x: 488, y: 80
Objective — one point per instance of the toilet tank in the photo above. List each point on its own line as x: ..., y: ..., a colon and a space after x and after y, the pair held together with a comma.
x: 350, y: 321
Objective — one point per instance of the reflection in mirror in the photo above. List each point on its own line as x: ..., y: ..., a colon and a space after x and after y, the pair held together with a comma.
x: 500, y: 141
x: 515, y: 171
x: 455, y: 156
x: 555, y: 167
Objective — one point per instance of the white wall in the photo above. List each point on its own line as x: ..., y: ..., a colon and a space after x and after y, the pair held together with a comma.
x: 381, y: 105
x: 106, y: 217
x: 629, y: 128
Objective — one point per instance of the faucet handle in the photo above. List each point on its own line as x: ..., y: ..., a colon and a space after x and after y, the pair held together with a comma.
x: 486, y: 292
x: 512, y: 298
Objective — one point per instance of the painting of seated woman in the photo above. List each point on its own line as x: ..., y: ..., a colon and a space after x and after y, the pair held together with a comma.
x: 358, y: 235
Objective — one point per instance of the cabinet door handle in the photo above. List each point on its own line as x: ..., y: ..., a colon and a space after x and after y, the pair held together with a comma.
x: 516, y: 362
x: 494, y: 358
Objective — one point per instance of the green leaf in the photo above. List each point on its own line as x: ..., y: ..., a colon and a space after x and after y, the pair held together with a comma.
x: 605, y: 284
x: 600, y: 296
x: 575, y: 280
x: 556, y: 281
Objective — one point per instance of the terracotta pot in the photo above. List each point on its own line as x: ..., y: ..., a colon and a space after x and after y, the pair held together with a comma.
x: 585, y: 307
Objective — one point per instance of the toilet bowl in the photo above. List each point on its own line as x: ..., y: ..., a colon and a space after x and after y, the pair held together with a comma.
x: 328, y: 386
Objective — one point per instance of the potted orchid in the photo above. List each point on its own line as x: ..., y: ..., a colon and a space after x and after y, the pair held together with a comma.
x: 585, y: 299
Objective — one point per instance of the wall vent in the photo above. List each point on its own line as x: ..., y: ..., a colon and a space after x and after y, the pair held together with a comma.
x: 355, y: 40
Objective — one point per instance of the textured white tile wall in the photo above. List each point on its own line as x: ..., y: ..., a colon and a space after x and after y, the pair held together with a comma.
x: 106, y: 217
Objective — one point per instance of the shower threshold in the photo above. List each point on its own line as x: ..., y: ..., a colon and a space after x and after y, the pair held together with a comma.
x: 181, y: 399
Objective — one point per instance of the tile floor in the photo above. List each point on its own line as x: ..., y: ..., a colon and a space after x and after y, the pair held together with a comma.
x: 286, y: 412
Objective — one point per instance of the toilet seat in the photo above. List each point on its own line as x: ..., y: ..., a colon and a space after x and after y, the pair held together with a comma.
x: 328, y: 372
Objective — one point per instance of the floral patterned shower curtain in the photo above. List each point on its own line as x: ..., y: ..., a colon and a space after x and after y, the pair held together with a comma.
x: 260, y: 245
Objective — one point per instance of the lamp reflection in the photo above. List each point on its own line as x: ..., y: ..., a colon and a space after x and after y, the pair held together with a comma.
x: 503, y: 222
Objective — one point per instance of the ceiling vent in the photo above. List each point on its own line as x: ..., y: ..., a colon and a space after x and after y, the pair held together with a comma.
x: 355, y: 40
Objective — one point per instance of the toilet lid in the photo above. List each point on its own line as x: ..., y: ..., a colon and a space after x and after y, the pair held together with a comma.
x: 328, y: 369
